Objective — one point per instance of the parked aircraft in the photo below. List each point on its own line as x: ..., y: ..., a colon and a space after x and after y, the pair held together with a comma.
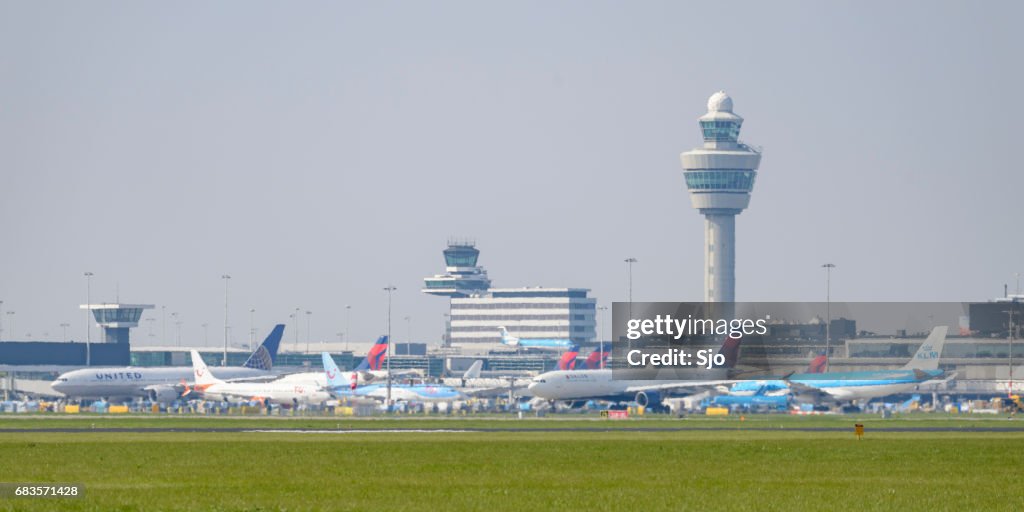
x: 161, y: 384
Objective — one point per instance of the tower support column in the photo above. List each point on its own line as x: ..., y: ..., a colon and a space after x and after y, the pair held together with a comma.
x: 720, y: 256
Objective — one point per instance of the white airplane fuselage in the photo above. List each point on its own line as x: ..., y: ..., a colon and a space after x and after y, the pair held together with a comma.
x: 278, y: 392
x: 135, y: 382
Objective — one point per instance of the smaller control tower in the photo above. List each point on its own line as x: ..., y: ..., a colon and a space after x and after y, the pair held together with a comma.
x: 116, y: 319
x: 462, y: 277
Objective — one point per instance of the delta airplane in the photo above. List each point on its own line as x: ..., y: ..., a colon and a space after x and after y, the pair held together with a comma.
x: 596, y: 360
x: 848, y: 386
x: 581, y: 385
x: 283, y: 393
x: 340, y: 387
x: 538, y: 344
x: 161, y: 384
x: 568, y: 359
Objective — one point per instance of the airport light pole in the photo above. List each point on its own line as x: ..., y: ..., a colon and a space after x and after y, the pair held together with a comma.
x: 828, y: 313
x: 408, y: 329
x: 1, y: 320
x: 629, y: 267
x: 600, y: 334
x: 64, y: 326
x: 1009, y: 329
x: 387, y: 349
x: 295, y: 315
x: 348, y: 317
x: 226, y: 278
x: 163, y: 324
x: 252, y: 327
x: 10, y: 323
x: 174, y: 318
x: 88, y: 321
x: 309, y: 314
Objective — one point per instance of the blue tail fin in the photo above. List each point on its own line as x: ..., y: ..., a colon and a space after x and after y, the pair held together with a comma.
x: 335, y: 379
x: 264, y: 356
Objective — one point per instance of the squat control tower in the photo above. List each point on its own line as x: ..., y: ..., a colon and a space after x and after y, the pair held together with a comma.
x: 720, y: 176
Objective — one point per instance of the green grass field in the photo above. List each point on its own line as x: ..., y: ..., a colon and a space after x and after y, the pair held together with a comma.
x: 556, y: 421
x: 732, y: 468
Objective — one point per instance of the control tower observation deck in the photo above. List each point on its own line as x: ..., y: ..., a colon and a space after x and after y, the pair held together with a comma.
x: 720, y: 176
x: 116, y: 319
x: 462, y: 277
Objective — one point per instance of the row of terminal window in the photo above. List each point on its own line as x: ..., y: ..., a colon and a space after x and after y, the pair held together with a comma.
x: 513, y: 317
x: 518, y: 330
x: 589, y: 306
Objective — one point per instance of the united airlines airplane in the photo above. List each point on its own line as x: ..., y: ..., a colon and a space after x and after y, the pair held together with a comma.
x: 160, y: 384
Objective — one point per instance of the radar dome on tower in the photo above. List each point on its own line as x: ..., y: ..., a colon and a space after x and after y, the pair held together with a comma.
x: 720, y: 102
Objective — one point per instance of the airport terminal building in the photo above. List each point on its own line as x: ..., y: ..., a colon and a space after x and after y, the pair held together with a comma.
x: 549, y: 313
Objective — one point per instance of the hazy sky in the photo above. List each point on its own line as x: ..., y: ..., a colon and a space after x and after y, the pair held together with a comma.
x: 319, y: 151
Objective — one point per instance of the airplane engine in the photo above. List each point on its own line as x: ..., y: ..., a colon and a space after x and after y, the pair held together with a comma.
x: 163, y: 394
x: 648, y: 399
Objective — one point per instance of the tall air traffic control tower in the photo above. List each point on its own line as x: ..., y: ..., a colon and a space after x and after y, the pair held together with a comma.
x: 720, y: 176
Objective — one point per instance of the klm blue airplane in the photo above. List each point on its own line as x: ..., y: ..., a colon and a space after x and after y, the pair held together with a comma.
x: 847, y: 386
x: 539, y: 344
x: 340, y: 387
x: 752, y: 402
